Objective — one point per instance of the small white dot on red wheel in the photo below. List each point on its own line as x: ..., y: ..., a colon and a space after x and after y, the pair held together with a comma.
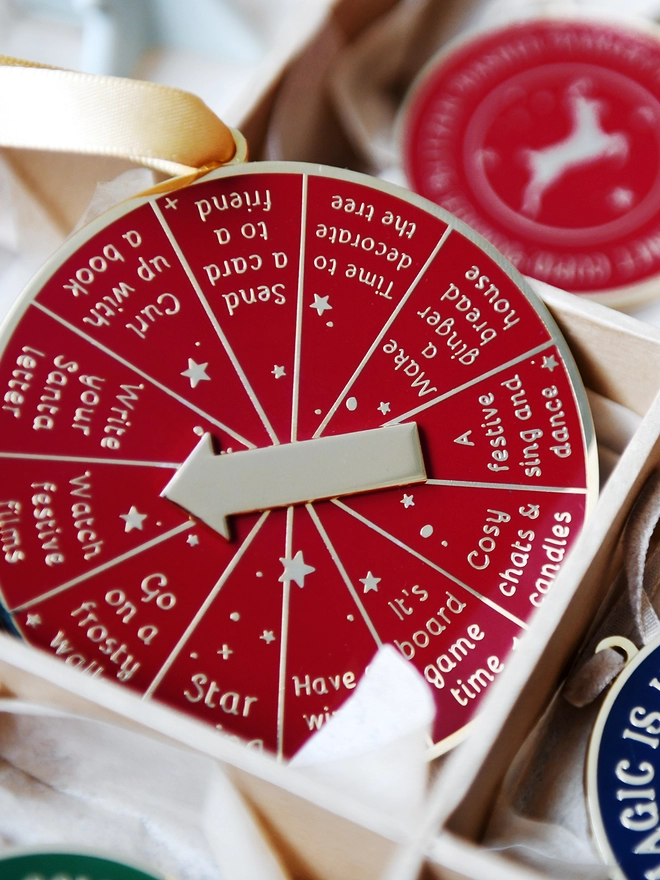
x: 260, y: 574
x: 234, y: 615
x: 350, y: 617
x: 198, y: 344
x: 194, y: 655
x: 426, y: 531
x: 159, y: 524
x: 352, y: 404
x: 444, y: 543
x: 329, y: 324
x: 198, y: 430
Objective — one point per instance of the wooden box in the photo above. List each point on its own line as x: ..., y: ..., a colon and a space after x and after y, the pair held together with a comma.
x: 467, y: 788
x: 319, y: 833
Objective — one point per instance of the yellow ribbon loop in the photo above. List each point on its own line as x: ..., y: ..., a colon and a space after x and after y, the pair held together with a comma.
x: 163, y: 128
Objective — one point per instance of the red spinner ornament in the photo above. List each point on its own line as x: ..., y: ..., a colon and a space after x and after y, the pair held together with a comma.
x: 543, y: 135
x: 257, y: 426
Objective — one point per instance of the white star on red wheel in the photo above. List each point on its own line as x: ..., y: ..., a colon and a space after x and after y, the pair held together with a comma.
x: 133, y: 519
x: 278, y: 372
x: 384, y: 408
x: 407, y: 501
x: 33, y: 620
x: 268, y: 636
x: 549, y: 363
x: 320, y: 303
x: 295, y: 569
x: 196, y: 373
x: 370, y: 582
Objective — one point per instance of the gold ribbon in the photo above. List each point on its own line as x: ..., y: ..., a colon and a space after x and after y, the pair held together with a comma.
x: 163, y: 128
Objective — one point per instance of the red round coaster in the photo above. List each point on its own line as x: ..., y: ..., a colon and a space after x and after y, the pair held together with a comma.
x: 545, y: 137
x: 159, y: 513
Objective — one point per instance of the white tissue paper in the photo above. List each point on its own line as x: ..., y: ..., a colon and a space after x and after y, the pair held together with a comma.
x: 374, y: 747
x: 75, y: 783
x: 28, y: 236
x: 80, y: 783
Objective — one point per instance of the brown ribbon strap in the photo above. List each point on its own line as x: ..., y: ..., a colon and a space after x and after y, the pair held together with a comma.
x: 633, y: 615
x: 640, y: 570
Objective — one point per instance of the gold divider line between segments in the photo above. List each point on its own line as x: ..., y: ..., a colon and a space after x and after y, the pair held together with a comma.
x: 472, y: 382
x: 432, y: 565
x: 515, y: 487
x: 36, y: 456
x: 136, y: 551
x: 299, y: 311
x: 284, y: 636
x: 344, y: 574
x: 374, y: 345
x: 154, y: 382
x: 203, y: 608
x: 215, y: 324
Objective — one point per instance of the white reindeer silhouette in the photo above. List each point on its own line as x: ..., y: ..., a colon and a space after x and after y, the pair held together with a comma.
x: 586, y: 143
